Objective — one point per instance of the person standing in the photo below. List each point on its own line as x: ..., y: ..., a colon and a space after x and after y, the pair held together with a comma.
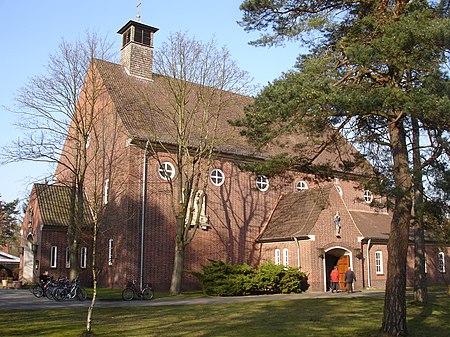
x: 349, y: 279
x: 334, y: 276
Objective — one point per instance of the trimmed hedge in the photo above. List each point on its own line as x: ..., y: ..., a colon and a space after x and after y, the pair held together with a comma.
x: 222, y: 279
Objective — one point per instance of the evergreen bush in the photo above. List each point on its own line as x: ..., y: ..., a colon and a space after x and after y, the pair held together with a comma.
x: 222, y: 279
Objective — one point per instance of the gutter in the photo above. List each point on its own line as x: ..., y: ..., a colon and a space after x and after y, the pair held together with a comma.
x: 369, y: 283
x: 143, y: 202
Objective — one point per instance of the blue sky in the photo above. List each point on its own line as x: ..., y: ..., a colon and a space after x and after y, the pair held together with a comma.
x: 31, y: 30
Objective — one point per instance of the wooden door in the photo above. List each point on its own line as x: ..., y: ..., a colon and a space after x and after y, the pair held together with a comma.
x: 343, y: 264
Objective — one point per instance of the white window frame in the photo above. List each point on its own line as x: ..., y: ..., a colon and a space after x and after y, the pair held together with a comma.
x: 53, y: 256
x: 441, y: 262
x: 285, y: 257
x: 379, y: 262
x: 68, y: 257
x: 277, y: 256
x: 217, y: 177
x: 166, y: 170
x: 339, y: 190
x: 83, y: 257
x: 106, y: 192
x: 301, y: 185
x: 110, y: 252
x: 368, y: 196
x: 262, y: 183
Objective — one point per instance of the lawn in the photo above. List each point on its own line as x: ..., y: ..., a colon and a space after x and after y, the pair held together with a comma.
x: 306, y: 317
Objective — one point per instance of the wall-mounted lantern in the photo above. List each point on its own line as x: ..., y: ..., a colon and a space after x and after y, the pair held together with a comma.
x: 321, y: 253
x: 358, y: 253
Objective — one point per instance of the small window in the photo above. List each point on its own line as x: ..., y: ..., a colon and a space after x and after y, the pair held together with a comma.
x: 166, y: 170
x: 339, y: 190
x: 53, y: 256
x: 83, y: 257
x: 277, y: 256
x: 217, y: 177
x: 285, y: 257
x: 368, y: 196
x: 68, y: 257
x: 126, y: 37
x: 262, y: 183
x: 142, y: 36
x: 425, y: 262
x: 301, y: 185
x: 441, y: 262
x: 106, y: 192
x: 110, y: 252
x: 379, y: 262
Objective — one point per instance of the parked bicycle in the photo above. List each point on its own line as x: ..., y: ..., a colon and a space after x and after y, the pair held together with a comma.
x: 132, y: 290
x: 67, y: 291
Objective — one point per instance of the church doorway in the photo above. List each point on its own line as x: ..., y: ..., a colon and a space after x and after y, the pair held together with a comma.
x: 336, y: 257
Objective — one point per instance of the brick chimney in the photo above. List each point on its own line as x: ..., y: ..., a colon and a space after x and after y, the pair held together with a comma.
x: 136, y: 54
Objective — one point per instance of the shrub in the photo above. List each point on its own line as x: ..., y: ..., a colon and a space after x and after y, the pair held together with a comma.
x: 223, y: 279
x: 3, y: 274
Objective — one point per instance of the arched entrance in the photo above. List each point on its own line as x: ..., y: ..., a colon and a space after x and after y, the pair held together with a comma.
x: 339, y: 257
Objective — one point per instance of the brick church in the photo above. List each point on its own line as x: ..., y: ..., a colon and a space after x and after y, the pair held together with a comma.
x: 292, y: 219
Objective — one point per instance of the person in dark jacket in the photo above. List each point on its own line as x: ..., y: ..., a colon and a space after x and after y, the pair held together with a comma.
x: 349, y: 279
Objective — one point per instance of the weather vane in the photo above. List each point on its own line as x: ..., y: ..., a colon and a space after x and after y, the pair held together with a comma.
x: 138, y: 16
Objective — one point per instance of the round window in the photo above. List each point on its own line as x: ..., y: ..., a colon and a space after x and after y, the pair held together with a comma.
x: 301, y: 185
x: 368, y: 196
x: 166, y: 170
x: 262, y: 183
x: 217, y: 177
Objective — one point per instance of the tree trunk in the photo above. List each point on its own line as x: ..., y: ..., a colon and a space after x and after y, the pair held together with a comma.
x: 420, y: 278
x: 177, y: 275
x: 394, y: 315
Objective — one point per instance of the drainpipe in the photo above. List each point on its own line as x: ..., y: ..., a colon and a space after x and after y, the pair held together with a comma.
x: 143, y: 202
x: 369, y: 283
x: 298, y: 252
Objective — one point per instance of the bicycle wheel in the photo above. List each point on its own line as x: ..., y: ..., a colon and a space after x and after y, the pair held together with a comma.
x: 147, y: 293
x: 37, y: 290
x: 127, y: 294
x: 60, y: 294
x: 81, y: 294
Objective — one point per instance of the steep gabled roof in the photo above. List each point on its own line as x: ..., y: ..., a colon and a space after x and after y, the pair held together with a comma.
x: 295, y: 214
x: 137, y: 101
x: 54, y: 205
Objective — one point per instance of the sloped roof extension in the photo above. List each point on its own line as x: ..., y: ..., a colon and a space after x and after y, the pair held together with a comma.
x: 54, y: 205
x: 295, y: 214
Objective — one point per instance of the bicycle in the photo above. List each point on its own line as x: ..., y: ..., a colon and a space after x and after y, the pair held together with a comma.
x: 69, y: 291
x: 132, y: 290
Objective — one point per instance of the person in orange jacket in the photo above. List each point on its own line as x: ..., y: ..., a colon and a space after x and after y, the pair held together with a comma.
x: 334, y: 276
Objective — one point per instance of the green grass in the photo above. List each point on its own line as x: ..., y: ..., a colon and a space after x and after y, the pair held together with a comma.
x: 339, y: 316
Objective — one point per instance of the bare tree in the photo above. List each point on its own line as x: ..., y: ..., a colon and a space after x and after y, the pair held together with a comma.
x: 59, y: 111
x: 199, y: 84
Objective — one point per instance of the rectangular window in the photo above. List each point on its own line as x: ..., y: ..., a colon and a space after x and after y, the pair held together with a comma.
x: 425, y: 262
x: 379, y: 262
x: 53, y: 256
x: 83, y: 257
x: 68, y: 257
x: 441, y: 261
x: 277, y: 256
x: 106, y: 192
x: 285, y: 257
x: 110, y: 252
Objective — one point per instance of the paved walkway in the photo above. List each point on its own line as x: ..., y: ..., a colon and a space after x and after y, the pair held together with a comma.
x: 13, y: 299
